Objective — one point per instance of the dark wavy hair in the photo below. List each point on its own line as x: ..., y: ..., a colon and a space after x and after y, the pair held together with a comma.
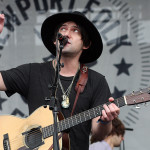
x: 118, y: 128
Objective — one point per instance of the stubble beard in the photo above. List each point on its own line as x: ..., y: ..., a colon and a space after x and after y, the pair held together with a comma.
x: 70, y: 54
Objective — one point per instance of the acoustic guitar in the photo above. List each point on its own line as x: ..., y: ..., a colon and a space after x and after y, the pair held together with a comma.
x: 36, y: 131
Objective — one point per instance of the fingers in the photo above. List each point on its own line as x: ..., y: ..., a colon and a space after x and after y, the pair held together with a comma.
x: 111, y: 99
x: 113, y: 106
x: 110, y: 112
x: 2, y: 18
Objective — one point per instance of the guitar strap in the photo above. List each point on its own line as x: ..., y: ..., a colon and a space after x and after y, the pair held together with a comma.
x: 80, y: 84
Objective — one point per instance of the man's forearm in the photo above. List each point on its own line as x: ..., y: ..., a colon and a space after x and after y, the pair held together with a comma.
x: 101, y: 130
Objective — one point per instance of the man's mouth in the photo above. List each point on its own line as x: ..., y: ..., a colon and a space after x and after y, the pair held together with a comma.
x: 68, y: 42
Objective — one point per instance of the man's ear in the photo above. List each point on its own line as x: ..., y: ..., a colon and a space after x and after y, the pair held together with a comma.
x: 86, y: 47
x: 54, y: 42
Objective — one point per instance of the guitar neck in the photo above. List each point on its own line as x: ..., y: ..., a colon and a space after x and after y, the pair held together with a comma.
x: 38, y: 122
x: 79, y: 118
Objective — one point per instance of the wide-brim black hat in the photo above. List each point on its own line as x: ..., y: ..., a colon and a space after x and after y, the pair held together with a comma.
x: 49, y: 26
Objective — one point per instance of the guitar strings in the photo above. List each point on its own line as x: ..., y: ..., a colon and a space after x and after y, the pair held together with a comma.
x: 62, y: 124
x: 76, y: 119
x: 66, y: 123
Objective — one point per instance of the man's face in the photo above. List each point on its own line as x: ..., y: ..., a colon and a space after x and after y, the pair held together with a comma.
x: 75, y: 44
x: 117, y: 140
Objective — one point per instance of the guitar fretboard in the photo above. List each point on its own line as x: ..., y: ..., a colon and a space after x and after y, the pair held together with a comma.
x: 79, y: 118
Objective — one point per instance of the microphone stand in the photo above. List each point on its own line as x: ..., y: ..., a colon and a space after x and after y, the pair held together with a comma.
x: 53, y: 99
x: 128, y: 129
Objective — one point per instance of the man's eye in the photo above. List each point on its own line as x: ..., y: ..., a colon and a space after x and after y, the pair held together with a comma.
x: 75, y: 30
x: 62, y: 29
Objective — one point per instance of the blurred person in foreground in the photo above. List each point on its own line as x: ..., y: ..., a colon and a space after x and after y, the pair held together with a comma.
x: 114, y: 139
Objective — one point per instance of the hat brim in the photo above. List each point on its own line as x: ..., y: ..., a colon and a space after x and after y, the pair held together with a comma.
x: 49, y: 25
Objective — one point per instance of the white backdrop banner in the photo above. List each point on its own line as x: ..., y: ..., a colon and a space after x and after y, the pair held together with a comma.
x: 124, y: 26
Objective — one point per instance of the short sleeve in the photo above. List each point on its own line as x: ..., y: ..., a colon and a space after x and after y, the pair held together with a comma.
x: 16, y: 80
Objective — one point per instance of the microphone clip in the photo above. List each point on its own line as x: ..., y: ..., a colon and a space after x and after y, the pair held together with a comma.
x: 62, y: 39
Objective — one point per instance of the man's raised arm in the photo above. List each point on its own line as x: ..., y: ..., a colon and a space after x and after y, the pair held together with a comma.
x: 2, y: 19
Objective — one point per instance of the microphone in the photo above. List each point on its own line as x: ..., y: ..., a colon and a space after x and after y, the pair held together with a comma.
x: 62, y: 39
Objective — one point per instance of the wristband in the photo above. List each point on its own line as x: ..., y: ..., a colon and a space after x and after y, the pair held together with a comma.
x: 103, y: 122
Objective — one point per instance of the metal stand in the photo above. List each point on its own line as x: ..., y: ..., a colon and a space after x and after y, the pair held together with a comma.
x: 123, y: 142
x: 53, y: 99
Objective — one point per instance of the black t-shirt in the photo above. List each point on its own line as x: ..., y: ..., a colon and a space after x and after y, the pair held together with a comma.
x: 32, y: 80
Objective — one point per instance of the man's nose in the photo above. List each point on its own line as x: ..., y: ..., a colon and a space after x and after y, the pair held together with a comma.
x: 67, y: 33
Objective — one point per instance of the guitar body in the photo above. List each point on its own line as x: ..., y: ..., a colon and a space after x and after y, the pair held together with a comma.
x: 21, y: 131
x: 35, y: 132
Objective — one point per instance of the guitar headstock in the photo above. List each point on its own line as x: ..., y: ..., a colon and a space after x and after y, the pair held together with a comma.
x: 138, y: 97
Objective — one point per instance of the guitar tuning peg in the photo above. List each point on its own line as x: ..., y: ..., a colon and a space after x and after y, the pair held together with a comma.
x: 141, y: 91
x: 137, y: 107
x: 132, y: 92
x: 145, y: 104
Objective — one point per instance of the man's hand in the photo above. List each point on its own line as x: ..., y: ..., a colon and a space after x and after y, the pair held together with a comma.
x: 110, y: 112
x: 2, y: 19
x: 102, y: 126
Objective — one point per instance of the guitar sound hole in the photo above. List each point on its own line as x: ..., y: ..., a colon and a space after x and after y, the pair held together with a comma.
x: 33, y: 138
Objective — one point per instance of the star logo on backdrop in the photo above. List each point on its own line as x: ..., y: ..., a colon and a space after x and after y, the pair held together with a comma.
x: 18, y: 112
x: 123, y: 67
x: 1, y: 101
x: 118, y: 93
